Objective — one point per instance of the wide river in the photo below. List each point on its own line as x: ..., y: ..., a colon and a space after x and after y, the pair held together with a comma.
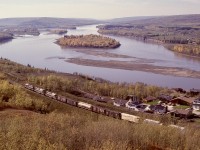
x: 41, y: 51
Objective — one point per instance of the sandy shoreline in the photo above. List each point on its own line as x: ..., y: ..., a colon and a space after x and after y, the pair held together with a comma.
x: 134, y: 66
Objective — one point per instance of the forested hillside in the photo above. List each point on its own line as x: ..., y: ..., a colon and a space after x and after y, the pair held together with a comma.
x: 170, y: 31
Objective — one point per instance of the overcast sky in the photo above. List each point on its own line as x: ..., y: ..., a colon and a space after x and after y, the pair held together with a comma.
x: 98, y: 9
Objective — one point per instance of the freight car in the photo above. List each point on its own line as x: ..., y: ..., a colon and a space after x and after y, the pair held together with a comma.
x: 98, y: 110
x: 51, y: 95
x: 72, y: 102
x: 39, y: 90
x: 112, y: 113
x: 62, y: 99
x: 85, y: 105
x: 130, y: 118
x: 29, y: 86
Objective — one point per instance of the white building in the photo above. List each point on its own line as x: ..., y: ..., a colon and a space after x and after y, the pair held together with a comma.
x: 196, y: 104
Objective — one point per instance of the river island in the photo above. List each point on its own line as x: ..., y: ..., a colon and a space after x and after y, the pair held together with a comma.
x: 58, y: 31
x: 88, y: 41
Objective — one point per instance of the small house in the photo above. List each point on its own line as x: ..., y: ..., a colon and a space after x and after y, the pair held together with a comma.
x: 119, y: 102
x: 196, y: 104
x: 182, y: 113
x: 158, y: 109
x: 183, y: 100
x: 143, y: 107
x: 165, y: 98
x: 133, y: 105
x: 149, y: 99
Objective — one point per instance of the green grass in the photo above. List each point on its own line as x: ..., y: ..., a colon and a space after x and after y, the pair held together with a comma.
x: 153, y: 103
x: 182, y: 107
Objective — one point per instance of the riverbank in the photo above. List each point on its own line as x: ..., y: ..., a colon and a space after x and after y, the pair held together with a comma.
x: 190, y: 50
x: 170, y: 37
x: 185, y: 49
x: 135, y: 66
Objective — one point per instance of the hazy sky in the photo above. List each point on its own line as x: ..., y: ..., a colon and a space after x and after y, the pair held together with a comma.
x: 99, y: 9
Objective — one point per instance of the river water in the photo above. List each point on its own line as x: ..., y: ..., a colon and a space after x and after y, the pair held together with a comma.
x: 36, y: 50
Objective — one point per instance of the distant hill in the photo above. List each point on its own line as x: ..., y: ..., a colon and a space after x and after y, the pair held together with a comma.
x: 46, y: 22
x: 128, y: 19
x: 159, y: 20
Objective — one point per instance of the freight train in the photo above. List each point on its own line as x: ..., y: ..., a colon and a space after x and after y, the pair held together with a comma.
x: 93, y: 108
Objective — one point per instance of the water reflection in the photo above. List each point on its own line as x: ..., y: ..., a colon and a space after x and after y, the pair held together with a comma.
x: 5, y: 41
x: 188, y: 58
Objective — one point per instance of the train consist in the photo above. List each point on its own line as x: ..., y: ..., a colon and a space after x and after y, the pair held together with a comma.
x: 93, y: 108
